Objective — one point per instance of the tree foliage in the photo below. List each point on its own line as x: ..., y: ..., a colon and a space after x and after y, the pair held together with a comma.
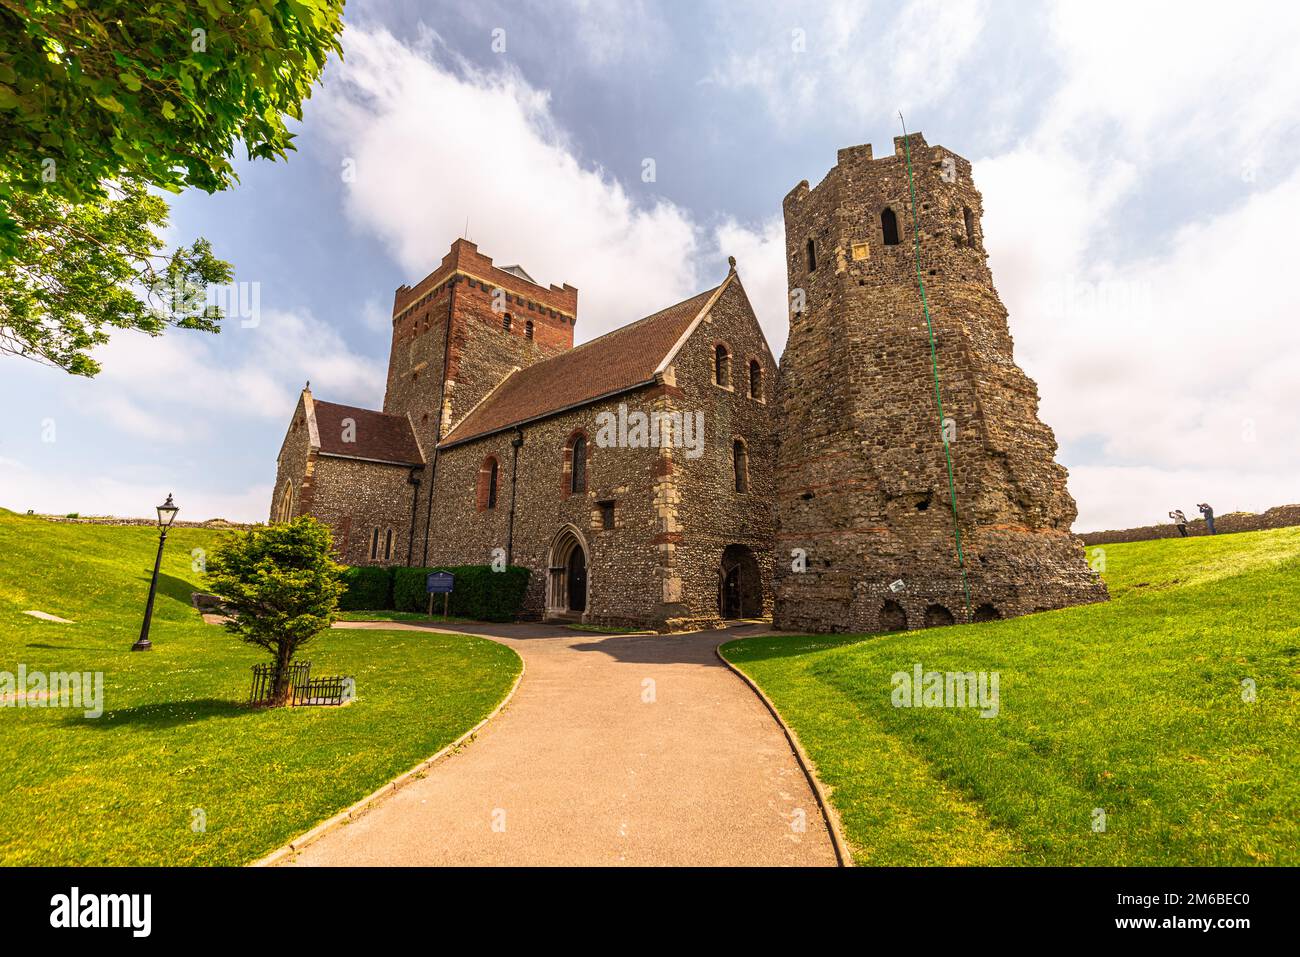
x: 127, y: 95
x: 87, y: 268
x: 159, y: 89
x: 283, y: 585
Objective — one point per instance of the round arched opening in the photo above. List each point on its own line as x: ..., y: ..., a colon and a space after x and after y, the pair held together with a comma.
x: 986, y: 612
x: 936, y: 616
x: 892, y: 617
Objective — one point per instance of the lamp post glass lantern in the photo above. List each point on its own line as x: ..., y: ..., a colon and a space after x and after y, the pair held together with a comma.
x: 167, y: 512
x: 166, y: 515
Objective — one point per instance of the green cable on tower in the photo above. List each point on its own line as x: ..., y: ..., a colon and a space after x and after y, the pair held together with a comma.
x: 934, y: 367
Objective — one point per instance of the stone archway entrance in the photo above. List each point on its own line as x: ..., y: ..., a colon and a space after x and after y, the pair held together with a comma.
x: 740, y: 586
x: 566, y: 579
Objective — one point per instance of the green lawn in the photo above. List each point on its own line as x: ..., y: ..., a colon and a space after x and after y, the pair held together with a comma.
x: 175, y: 743
x: 1134, y: 707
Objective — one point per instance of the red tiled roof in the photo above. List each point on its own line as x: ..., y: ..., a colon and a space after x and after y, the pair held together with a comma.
x: 378, y: 435
x: 615, y: 362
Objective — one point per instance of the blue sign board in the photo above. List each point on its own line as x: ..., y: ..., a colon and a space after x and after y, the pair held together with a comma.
x: 440, y: 583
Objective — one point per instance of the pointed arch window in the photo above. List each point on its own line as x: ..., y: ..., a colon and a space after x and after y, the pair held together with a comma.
x: 284, y: 512
x: 755, y: 380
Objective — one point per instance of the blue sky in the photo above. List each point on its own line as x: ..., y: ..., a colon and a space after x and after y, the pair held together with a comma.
x: 1138, y: 165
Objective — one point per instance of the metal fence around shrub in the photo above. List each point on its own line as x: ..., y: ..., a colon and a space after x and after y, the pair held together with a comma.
x: 303, y: 688
x: 321, y: 691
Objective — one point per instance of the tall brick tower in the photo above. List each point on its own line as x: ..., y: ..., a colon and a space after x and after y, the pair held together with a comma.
x: 456, y: 334
x: 862, y: 478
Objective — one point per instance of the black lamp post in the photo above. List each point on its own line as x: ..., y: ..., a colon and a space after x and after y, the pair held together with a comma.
x: 166, y: 515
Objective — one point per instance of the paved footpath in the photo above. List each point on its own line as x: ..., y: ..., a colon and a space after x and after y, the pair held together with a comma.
x: 625, y: 749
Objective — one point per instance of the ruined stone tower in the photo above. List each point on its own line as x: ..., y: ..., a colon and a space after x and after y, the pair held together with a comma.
x: 862, y: 482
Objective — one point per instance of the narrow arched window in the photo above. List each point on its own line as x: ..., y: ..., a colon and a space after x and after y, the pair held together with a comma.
x: 487, y: 483
x: 812, y: 255
x: 755, y: 379
x: 505, y: 321
x: 374, y: 544
x: 388, y: 544
x: 285, y: 510
x: 721, y: 365
x: 969, y: 218
x: 578, y: 465
x: 740, y: 463
x: 528, y: 329
x: 889, y: 226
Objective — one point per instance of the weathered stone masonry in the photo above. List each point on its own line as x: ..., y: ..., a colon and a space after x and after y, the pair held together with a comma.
x: 811, y: 492
x: 862, y: 488
x: 662, y: 536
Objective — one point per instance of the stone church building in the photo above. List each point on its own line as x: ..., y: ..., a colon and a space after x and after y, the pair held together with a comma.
x: 660, y: 476
x: 631, y: 474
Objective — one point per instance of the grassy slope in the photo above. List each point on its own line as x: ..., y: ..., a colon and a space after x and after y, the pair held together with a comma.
x: 1134, y: 707
x: 121, y: 789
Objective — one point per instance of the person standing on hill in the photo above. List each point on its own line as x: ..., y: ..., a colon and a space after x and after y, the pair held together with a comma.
x: 1209, y: 516
x: 1180, y: 520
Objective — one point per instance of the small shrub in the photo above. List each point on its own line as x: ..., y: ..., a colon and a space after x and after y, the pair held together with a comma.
x: 283, y: 585
x: 481, y: 593
x: 368, y: 589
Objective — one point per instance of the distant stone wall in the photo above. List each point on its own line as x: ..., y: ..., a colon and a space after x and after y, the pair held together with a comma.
x: 219, y: 523
x: 1281, y: 516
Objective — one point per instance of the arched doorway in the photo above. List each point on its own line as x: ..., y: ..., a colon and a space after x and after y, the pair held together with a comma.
x: 577, y: 584
x: 566, y: 586
x: 740, y: 586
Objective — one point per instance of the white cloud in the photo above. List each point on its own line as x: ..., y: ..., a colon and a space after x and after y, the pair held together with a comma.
x: 375, y: 317
x: 185, y: 386
x: 842, y: 62
x: 130, y: 494
x: 1158, y: 339
x: 168, y: 413
x: 760, y: 263
x: 438, y: 142
x: 1173, y: 361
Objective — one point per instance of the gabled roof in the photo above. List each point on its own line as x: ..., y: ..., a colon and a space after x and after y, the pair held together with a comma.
x: 378, y: 436
x: 618, y: 361
x: 518, y: 270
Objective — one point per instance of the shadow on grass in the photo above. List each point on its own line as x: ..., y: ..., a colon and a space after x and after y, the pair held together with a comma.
x: 166, y: 714
x: 774, y: 647
x: 177, y: 589
x: 44, y: 646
